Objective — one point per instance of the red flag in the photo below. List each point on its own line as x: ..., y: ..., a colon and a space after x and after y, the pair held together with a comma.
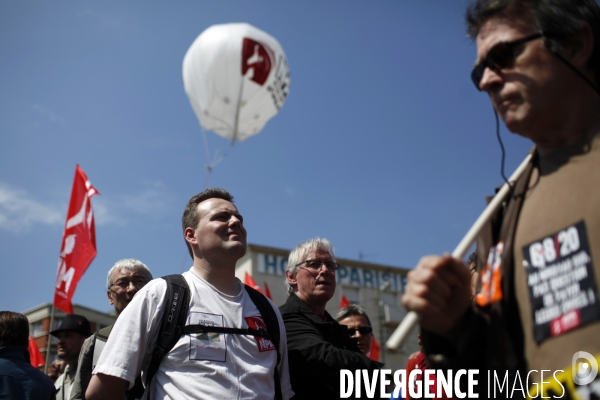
x: 248, y: 280
x: 78, y: 247
x: 35, y: 357
x: 375, y: 350
x: 267, y: 291
x: 344, y: 302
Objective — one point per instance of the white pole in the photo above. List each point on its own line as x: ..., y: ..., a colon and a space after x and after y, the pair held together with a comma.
x: 236, y: 121
x: 412, y: 318
x: 48, y: 339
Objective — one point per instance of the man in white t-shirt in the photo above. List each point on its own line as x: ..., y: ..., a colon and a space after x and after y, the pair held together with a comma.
x: 208, y: 365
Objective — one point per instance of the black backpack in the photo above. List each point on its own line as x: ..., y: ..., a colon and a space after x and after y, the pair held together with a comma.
x: 176, y: 304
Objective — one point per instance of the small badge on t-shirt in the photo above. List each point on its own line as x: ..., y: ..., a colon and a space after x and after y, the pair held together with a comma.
x: 561, y: 282
x: 263, y: 344
x: 208, y: 345
x: 491, y: 279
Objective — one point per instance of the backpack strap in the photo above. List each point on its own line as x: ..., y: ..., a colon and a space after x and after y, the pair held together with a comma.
x: 137, y: 391
x: 272, y: 322
x: 99, y: 343
x: 219, y: 329
x: 177, y: 301
x: 100, y: 339
x: 104, y: 333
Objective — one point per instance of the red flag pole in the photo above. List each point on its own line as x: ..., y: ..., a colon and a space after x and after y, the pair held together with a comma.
x: 48, y: 339
x: 78, y: 247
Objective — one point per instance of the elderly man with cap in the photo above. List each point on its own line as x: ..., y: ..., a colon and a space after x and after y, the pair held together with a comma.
x: 71, y: 334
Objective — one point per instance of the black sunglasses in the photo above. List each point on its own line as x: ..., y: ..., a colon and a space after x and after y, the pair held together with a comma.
x: 362, y: 329
x: 500, y: 56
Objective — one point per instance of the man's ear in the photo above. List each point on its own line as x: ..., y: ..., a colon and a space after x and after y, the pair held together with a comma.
x: 110, y: 299
x: 190, y: 236
x: 580, y: 47
x: 291, y: 278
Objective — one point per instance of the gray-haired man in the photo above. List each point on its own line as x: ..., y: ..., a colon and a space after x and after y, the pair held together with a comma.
x: 124, y: 280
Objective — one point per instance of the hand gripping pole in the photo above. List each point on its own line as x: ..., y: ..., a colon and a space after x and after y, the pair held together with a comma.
x: 412, y: 318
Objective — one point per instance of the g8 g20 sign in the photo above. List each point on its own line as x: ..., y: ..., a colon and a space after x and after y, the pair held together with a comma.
x: 351, y: 276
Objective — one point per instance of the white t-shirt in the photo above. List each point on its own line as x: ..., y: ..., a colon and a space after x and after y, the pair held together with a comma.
x: 207, y: 366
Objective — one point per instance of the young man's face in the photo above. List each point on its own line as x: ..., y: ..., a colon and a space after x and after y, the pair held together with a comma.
x: 529, y: 93
x: 220, y: 229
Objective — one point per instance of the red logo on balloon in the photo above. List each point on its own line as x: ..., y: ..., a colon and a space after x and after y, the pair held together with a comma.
x: 256, y: 57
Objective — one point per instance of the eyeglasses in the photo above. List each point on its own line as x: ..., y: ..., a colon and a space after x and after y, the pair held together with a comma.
x: 138, y: 283
x: 362, y: 329
x: 500, y: 56
x: 315, y: 265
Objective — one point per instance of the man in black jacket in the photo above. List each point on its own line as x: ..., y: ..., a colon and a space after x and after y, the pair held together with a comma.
x: 18, y: 378
x: 318, y: 346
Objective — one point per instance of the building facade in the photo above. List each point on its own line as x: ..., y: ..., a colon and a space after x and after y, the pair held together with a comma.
x: 376, y: 288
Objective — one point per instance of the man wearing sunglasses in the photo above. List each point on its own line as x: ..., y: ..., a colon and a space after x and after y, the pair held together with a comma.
x: 318, y: 346
x: 539, y: 63
x: 359, y: 326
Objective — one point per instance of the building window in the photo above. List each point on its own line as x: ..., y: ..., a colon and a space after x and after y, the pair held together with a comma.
x: 36, y: 329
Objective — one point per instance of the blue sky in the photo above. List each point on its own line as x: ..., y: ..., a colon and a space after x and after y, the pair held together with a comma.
x: 383, y: 146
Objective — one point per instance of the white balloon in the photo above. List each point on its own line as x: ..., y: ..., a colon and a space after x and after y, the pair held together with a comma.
x: 236, y: 78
